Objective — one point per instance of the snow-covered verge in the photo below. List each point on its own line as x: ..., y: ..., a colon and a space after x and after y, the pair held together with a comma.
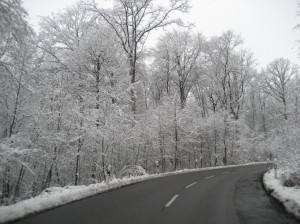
x: 56, y: 196
x: 288, y: 196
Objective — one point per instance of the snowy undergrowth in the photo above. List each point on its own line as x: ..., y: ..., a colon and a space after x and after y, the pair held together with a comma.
x: 288, y: 196
x: 56, y: 196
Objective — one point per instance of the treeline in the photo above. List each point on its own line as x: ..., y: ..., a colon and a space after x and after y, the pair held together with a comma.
x: 85, y: 93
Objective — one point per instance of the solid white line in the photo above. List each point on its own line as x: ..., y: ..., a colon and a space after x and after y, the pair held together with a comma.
x: 172, y: 200
x: 209, y: 177
x: 190, y: 185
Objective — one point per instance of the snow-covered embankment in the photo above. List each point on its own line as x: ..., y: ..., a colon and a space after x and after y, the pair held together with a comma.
x: 288, y: 196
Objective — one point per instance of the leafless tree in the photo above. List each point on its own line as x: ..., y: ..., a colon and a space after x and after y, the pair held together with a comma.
x: 181, y: 54
x: 133, y: 21
x: 278, y: 79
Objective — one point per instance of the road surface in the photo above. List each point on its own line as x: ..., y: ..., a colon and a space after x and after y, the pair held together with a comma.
x: 230, y: 195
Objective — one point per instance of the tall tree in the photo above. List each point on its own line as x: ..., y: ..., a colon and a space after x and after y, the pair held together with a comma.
x: 133, y: 21
x: 277, y: 81
x: 15, y: 54
x: 232, y: 68
x: 180, y: 53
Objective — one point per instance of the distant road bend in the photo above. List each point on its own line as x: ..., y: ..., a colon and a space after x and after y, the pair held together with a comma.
x: 229, y: 195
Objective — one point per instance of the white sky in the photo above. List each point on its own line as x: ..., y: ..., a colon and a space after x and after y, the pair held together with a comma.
x: 265, y: 25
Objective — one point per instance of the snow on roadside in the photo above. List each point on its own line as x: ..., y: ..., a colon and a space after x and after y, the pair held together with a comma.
x: 288, y: 196
x: 56, y: 196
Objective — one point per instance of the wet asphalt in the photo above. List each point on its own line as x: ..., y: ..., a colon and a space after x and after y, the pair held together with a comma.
x: 229, y: 195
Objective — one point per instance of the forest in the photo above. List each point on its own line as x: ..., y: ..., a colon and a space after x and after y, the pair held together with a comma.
x: 87, y: 92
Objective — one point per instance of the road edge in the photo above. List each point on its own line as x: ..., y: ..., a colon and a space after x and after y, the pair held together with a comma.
x: 115, y: 184
x: 279, y: 200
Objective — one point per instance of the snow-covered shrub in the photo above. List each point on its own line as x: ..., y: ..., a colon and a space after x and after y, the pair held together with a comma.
x: 16, y: 172
x: 284, y: 144
x: 132, y: 171
x: 291, y: 179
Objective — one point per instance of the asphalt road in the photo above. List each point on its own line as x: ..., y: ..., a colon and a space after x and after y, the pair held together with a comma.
x: 231, y: 195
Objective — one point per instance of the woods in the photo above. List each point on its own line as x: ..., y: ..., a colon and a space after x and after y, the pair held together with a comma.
x: 85, y: 92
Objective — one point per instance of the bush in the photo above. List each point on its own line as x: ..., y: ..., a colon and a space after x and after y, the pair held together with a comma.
x: 292, y: 179
x: 132, y: 171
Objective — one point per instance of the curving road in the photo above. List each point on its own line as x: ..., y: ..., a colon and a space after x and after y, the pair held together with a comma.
x: 229, y: 195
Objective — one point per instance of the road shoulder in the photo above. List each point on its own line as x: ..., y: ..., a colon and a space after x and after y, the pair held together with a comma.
x: 253, y: 203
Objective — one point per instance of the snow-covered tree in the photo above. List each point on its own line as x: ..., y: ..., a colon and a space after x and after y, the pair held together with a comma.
x: 278, y: 80
x: 133, y: 21
x: 180, y: 55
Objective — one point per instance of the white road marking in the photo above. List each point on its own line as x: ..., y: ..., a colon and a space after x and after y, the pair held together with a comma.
x: 209, y: 177
x: 172, y: 200
x: 190, y: 185
x: 225, y: 172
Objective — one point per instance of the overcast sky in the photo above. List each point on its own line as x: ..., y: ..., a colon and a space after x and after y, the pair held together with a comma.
x: 265, y: 25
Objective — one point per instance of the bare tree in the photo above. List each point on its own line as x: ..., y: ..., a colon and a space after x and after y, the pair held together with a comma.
x: 133, y: 21
x: 181, y: 52
x: 278, y: 80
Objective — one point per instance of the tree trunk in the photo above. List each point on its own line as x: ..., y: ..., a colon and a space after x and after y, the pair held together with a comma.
x: 48, y: 177
x: 224, y: 141
x: 20, y: 177
x: 132, y: 61
x: 161, y: 146
x: 216, y: 159
x: 77, y: 162
x: 12, y: 125
x: 103, y: 158
x: 176, y: 141
x: 284, y: 109
x: 6, y: 185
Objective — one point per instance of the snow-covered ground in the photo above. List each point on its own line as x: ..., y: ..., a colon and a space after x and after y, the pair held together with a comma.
x: 56, y: 196
x: 288, y: 196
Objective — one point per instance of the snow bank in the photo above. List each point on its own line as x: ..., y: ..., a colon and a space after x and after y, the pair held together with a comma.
x: 288, y: 196
x: 56, y: 196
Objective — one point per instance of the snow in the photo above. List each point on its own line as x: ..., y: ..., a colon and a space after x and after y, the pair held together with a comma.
x: 288, y: 196
x: 56, y: 196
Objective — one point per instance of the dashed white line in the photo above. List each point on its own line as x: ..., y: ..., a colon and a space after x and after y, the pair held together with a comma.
x: 209, y: 177
x: 172, y: 200
x: 225, y: 172
x: 190, y: 185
